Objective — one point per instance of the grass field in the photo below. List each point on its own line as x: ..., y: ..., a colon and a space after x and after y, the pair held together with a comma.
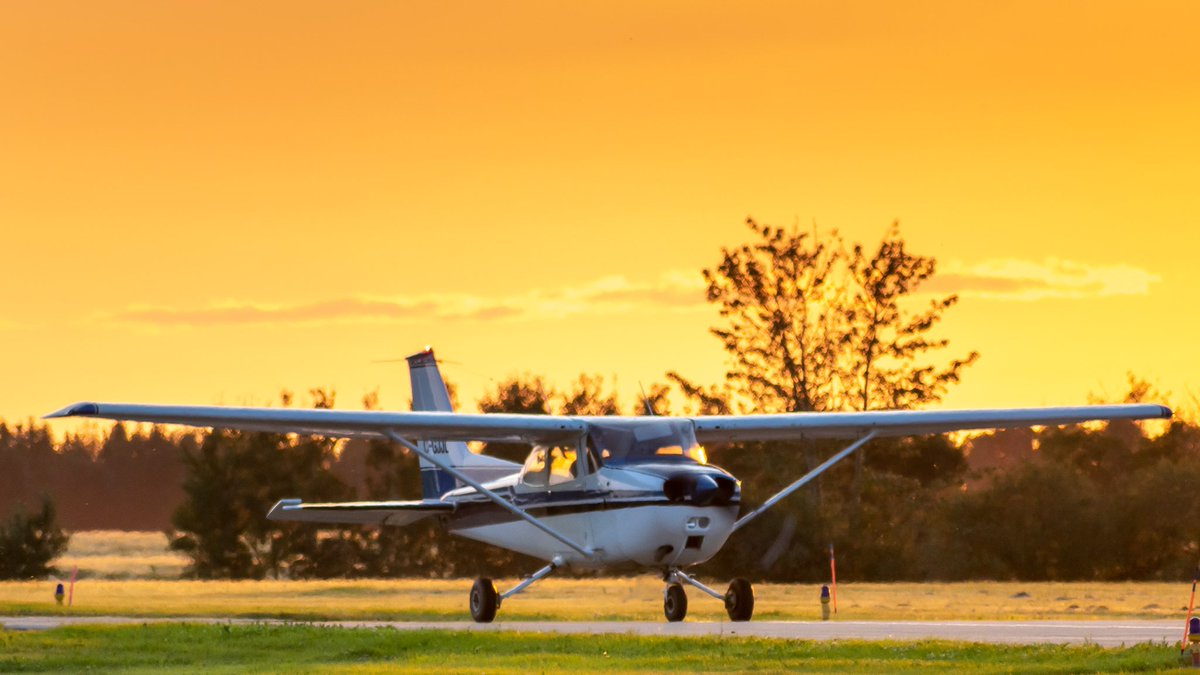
x: 125, y: 573
x: 132, y: 573
x: 637, y: 598
x: 116, y: 554
x: 293, y: 648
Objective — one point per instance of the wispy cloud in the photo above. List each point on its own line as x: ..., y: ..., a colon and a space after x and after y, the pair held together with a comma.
x: 1027, y: 280
x: 673, y: 291
x: 332, y: 310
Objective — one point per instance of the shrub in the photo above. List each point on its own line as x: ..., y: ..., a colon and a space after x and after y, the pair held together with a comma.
x: 28, y: 542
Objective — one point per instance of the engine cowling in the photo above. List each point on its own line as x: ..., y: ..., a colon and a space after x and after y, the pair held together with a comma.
x: 701, y: 489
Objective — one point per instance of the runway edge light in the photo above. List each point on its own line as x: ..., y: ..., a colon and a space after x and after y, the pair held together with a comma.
x: 1194, y: 640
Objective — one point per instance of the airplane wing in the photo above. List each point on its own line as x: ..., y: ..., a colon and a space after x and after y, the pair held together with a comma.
x: 415, y: 426
x: 358, y: 513
x: 549, y: 429
x: 731, y: 428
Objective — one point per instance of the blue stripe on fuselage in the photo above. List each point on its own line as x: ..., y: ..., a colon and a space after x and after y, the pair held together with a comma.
x: 477, y: 510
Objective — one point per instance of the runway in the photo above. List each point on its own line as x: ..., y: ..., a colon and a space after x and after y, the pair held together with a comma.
x: 1103, y: 633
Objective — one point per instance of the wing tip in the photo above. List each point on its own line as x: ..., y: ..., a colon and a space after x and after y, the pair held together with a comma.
x: 76, y: 410
x: 281, y: 506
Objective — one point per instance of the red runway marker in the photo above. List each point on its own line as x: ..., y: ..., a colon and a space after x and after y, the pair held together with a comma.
x: 71, y: 593
x: 833, y: 574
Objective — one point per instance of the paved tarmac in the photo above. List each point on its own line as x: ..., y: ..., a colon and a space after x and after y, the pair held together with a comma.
x: 1103, y: 633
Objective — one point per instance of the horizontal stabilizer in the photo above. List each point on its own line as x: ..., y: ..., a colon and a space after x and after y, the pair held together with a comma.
x: 358, y: 513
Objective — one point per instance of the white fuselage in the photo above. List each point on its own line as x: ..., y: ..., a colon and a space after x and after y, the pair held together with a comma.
x: 619, y: 513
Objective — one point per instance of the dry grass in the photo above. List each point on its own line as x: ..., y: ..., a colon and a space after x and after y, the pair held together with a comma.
x: 618, y: 599
x: 126, y: 572
x: 115, y: 554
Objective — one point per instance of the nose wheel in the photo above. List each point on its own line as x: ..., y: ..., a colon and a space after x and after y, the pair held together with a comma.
x: 674, y: 603
x: 739, y: 599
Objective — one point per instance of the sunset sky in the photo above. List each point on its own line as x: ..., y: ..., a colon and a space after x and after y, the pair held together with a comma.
x: 209, y: 202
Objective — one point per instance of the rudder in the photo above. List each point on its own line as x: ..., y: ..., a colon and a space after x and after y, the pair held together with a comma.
x: 430, y: 395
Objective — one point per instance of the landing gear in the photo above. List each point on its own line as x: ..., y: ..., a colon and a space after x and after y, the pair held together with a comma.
x: 739, y: 600
x: 674, y: 603
x: 484, y: 600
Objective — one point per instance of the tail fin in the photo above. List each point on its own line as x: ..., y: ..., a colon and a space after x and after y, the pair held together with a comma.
x: 428, y: 388
x: 430, y: 395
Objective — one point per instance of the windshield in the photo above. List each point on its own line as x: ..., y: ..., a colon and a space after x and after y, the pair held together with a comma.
x: 642, y: 440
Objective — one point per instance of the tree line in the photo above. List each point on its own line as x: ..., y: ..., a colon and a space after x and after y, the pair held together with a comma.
x: 1106, y: 502
x: 809, y: 323
x: 123, y: 479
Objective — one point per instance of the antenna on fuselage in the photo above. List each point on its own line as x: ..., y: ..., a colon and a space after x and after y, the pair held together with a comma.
x: 646, y: 402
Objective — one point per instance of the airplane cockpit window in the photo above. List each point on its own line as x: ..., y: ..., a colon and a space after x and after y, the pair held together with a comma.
x: 547, y: 467
x: 562, y: 466
x: 534, y: 471
x: 620, y: 442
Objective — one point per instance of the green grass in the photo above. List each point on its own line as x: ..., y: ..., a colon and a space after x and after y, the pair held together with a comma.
x: 293, y: 648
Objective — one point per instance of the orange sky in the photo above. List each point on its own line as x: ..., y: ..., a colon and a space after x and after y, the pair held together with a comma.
x: 208, y: 202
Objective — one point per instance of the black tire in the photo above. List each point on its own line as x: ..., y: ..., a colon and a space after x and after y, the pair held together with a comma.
x: 739, y: 600
x: 484, y: 600
x: 675, y: 603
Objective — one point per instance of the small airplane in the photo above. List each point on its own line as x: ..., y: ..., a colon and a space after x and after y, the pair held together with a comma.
x: 594, y: 492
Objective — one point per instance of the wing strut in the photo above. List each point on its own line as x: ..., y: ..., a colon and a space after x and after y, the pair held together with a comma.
x: 501, y: 501
x: 803, y: 481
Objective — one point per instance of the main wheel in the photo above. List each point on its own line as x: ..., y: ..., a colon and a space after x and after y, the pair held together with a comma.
x: 675, y: 603
x: 739, y: 600
x: 484, y: 600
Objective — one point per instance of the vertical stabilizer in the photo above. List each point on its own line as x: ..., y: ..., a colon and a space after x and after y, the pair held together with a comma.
x: 430, y: 395
x: 428, y: 388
